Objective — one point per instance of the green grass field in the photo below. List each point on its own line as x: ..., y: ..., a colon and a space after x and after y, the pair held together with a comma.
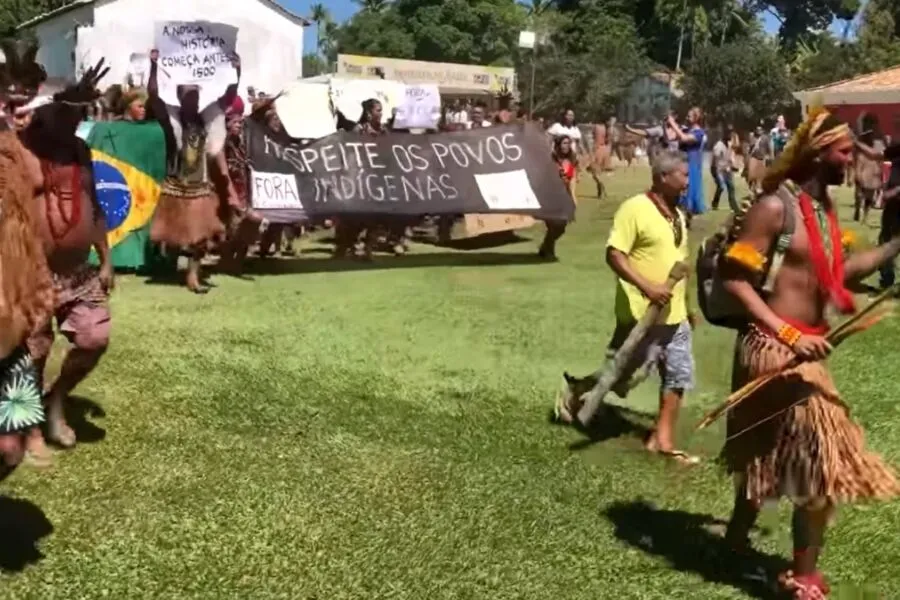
x: 383, y: 432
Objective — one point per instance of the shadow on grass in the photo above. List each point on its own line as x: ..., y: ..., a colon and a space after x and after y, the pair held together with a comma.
x: 496, y: 239
x: 22, y: 525
x: 683, y: 540
x: 610, y: 423
x: 79, y: 414
x: 410, y: 261
x: 273, y: 266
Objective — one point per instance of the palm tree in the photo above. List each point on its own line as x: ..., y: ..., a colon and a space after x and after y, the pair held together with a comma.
x: 733, y: 10
x: 319, y: 15
x: 372, y: 5
x: 536, y: 8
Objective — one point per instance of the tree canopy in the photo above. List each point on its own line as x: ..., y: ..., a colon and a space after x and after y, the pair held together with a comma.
x: 739, y: 82
x: 590, y: 51
x: 15, y: 12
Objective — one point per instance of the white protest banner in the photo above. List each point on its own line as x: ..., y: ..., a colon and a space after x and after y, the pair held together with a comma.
x: 420, y: 108
x: 274, y: 190
x: 305, y: 110
x: 195, y: 53
x: 347, y: 96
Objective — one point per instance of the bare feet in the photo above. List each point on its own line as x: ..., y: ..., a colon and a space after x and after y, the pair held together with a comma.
x: 37, y: 454
x: 58, y: 431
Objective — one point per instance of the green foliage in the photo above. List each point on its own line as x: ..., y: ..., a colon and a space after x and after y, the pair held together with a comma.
x: 375, y: 34
x: 589, y: 62
x: 593, y: 49
x: 822, y: 61
x: 739, y: 82
x: 14, y: 12
x: 800, y: 17
x: 313, y: 65
x: 878, y: 47
x: 825, y: 60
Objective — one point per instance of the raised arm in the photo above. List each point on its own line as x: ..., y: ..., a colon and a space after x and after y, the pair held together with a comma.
x: 62, y: 116
x: 862, y: 264
x: 156, y: 107
x: 682, y: 136
x: 227, y: 99
x: 870, y: 152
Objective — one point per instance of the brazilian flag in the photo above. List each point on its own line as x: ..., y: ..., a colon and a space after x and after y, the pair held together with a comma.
x: 129, y: 168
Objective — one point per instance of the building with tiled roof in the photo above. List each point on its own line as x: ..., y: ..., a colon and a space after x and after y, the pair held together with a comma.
x: 875, y: 94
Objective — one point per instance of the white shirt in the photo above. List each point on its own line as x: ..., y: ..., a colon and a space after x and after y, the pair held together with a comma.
x: 558, y: 130
x: 469, y: 125
x: 459, y: 116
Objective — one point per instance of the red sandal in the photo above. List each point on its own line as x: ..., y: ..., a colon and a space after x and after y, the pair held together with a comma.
x: 804, y: 587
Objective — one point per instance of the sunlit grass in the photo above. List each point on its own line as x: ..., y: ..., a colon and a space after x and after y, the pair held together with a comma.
x: 382, y: 433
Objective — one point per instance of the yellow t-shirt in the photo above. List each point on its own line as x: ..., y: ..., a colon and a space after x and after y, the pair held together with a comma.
x: 642, y: 233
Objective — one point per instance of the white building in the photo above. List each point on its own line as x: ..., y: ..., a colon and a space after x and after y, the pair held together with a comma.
x: 73, y: 38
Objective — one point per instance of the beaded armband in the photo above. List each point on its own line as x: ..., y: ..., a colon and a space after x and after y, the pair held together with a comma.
x: 789, y: 334
x: 747, y: 256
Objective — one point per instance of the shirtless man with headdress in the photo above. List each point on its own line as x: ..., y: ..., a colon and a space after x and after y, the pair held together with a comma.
x: 795, y: 437
x: 71, y: 223
x: 26, y: 288
x: 188, y: 213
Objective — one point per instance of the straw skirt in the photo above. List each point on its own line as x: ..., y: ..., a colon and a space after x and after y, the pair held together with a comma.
x: 795, y: 437
x: 187, y: 216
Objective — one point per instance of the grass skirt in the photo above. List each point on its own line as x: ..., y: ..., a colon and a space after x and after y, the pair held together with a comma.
x: 187, y: 216
x: 812, y: 450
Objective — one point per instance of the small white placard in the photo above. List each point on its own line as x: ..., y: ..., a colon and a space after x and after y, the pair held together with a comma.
x: 526, y: 39
x: 274, y: 190
x: 507, y: 191
x: 420, y: 109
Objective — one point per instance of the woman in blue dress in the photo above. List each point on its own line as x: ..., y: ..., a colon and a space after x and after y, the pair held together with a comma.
x: 691, y: 140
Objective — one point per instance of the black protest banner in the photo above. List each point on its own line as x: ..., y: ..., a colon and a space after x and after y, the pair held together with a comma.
x: 501, y: 169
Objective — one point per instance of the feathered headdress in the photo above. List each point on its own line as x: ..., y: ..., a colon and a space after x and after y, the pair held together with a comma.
x: 819, y: 130
x: 504, y: 98
x: 20, y: 73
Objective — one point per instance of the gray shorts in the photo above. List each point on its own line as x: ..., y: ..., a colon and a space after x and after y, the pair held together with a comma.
x: 667, y: 347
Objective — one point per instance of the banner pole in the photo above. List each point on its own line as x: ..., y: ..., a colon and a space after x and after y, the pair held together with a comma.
x: 531, y: 89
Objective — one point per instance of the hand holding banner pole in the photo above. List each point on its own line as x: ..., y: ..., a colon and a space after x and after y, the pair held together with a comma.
x: 613, y: 371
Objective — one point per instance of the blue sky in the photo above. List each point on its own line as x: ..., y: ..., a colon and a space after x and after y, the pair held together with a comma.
x: 344, y: 9
x: 341, y: 10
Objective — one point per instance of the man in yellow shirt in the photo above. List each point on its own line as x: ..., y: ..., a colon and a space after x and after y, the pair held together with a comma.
x: 648, y: 237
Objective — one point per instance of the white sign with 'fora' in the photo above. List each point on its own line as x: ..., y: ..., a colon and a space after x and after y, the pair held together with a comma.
x: 195, y: 53
x: 274, y: 190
